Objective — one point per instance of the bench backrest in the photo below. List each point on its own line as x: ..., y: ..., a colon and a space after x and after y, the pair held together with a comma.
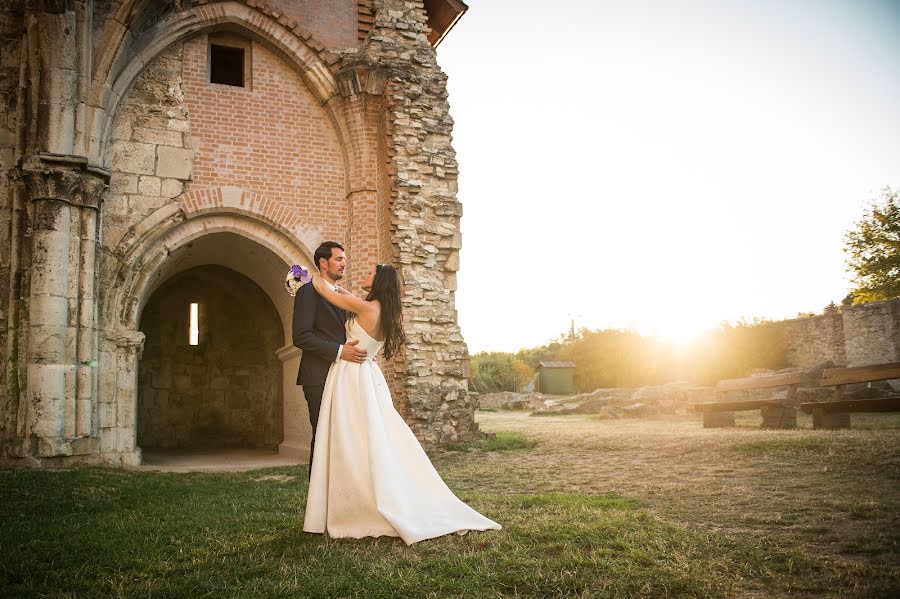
x: 860, y: 374
x: 765, y: 382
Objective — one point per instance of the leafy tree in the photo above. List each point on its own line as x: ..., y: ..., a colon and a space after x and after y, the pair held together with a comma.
x: 498, y: 371
x: 733, y: 351
x: 615, y: 358
x: 873, y: 250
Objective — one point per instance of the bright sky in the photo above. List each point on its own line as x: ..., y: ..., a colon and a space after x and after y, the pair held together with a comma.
x: 664, y: 166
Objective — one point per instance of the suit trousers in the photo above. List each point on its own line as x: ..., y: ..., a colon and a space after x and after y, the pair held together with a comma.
x: 313, y: 394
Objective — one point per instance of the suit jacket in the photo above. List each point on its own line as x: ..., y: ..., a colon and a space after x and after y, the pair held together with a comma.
x: 318, y: 329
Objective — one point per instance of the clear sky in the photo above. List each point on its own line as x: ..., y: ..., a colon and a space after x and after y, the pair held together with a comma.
x: 662, y: 165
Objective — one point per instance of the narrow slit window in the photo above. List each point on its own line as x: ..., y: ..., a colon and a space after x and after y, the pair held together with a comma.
x: 194, y: 331
x: 226, y: 65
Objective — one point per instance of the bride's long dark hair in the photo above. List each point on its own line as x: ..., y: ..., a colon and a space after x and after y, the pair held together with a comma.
x: 386, y: 289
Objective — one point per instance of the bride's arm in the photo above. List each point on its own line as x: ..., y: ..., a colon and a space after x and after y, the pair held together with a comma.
x: 345, y: 301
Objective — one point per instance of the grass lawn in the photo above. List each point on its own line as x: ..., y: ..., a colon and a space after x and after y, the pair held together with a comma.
x: 589, y: 508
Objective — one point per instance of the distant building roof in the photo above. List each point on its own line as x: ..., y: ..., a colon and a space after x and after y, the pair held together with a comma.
x: 556, y: 365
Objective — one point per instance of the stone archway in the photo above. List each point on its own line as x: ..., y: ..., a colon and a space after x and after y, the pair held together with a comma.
x: 171, y: 245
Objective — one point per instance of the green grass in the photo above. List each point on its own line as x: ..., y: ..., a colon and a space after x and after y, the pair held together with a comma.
x: 501, y: 441
x: 591, y: 508
x: 796, y: 444
x: 92, y: 532
x: 505, y: 441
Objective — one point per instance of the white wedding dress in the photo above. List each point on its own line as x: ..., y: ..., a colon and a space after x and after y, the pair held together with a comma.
x: 370, y: 477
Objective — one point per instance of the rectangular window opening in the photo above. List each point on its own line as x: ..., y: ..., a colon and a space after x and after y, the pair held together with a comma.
x: 194, y: 331
x: 226, y: 65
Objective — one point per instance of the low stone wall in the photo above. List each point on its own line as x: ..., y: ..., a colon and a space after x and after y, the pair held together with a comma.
x: 860, y: 335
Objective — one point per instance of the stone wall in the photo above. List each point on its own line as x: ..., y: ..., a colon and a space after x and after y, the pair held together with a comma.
x: 223, y: 392
x: 860, y: 335
x: 813, y: 341
x: 149, y: 154
x: 872, y: 333
x: 127, y: 158
x: 425, y: 222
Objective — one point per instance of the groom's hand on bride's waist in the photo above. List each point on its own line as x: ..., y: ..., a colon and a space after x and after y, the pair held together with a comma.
x: 351, y: 353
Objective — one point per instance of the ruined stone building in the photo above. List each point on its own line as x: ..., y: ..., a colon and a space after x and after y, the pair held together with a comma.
x: 163, y: 158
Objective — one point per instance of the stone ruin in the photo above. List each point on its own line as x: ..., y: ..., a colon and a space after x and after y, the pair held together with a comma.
x: 161, y: 153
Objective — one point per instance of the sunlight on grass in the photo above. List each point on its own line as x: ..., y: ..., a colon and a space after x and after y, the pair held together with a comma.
x: 785, y: 445
x: 589, y: 508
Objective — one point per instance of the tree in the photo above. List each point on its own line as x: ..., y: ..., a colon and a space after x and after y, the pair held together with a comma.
x: 873, y: 250
x: 498, y: 371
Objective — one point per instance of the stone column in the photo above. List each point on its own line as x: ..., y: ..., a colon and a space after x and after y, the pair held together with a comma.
x: 117, y: 428
x: 63, y: 198
x: 53, y: 70
x: 297, y: 431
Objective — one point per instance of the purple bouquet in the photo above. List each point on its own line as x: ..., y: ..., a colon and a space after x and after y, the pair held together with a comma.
x: 297, y: 277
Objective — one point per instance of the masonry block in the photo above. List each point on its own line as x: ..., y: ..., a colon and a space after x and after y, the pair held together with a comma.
x: 175, y: 163
x: 133, y: 157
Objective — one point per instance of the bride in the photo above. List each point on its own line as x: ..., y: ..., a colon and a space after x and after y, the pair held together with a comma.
x: 370, y: 477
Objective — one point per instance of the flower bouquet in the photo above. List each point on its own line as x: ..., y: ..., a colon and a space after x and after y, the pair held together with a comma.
x: 297, y: 277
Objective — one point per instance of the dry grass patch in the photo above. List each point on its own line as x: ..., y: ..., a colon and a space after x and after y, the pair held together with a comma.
x: 831, y: 496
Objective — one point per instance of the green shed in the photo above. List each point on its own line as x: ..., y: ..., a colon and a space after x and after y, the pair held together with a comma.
x: 556, y: 378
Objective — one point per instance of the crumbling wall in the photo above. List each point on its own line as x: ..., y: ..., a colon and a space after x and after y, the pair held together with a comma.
x: 860, y: 335
x: 425, y: 221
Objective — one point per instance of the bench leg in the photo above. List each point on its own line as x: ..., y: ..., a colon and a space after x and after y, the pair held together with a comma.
x: 779, y: 417
x: 717, y: 419
x: 829, y: 420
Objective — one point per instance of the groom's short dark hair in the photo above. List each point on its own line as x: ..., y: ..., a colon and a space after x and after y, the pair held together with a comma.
x: 324, y: 251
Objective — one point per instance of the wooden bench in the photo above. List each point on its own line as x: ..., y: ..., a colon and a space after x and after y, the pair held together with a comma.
x: 776, y: 413
x: 836, y: 413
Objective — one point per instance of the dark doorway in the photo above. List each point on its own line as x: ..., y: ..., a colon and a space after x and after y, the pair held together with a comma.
x: 220, y: 386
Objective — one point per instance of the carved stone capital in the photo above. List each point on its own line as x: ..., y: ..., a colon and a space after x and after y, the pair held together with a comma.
x: 64, y: 178
x: 357, y: 78
x: 128, y: 340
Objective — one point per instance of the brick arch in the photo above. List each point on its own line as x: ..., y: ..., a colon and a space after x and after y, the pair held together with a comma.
x: 235, y: 200
x: 119, y: 61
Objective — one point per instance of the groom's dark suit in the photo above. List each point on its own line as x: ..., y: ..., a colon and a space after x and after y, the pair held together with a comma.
x: 318, y: 329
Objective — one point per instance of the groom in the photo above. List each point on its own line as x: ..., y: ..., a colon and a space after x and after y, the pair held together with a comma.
x: 319, y: 331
